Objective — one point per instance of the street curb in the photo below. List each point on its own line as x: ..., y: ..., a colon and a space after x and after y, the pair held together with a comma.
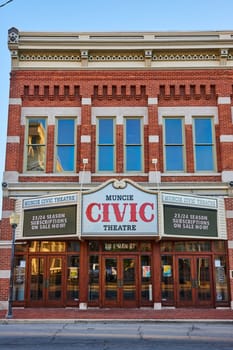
x: 81, y: 320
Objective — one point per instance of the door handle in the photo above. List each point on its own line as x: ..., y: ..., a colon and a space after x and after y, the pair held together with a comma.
x: 119, y: 283
x: 46, y: 283
x: 195, y: 283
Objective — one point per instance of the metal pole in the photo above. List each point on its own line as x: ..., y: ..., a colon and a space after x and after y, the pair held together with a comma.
x: 11, y: 286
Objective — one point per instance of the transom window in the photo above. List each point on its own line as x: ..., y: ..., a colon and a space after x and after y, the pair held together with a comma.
x: 204, y: 144
x: 36, y: 144
x: 65, y: 145
x: 174, y: 144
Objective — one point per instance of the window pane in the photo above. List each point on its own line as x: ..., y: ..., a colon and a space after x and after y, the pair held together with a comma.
x: 105, y: 143
x: 19, y: 277
x: 65, y: 132
x: 133, y: 131
x: 72, y: 283
x: 173, y: 131
x: 106, y: 158
x: 221, y: 278
x: 133, y: 158
x: 174, y: 145
x: 93, y: 287
x: 65, y: 158
x: 36, y: 145
x: 204, y: 158
x: 146, y: 278
x: 105, y: 131
x: 174, y: 158
x: 167, y: 282
x: 203, y: 131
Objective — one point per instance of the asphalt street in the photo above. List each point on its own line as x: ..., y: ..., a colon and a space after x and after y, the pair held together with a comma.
x: 114, y: 335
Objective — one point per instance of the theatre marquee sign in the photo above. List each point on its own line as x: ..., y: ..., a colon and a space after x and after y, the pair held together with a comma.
x: 50, y: 216
x: 119, y: 208
x: 192, y: 216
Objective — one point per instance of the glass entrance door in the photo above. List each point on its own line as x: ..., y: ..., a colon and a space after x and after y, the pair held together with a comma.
x: 194, y: 281
x: 120, y: 283
x: 46, y: 281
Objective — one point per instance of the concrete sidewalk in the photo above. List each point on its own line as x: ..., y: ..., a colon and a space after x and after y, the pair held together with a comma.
x: 119, y: 314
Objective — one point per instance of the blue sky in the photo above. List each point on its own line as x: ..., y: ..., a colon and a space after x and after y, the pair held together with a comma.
x: 102, y: 15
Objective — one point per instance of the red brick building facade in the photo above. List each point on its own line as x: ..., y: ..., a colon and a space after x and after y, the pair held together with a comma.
x: 119, y: 164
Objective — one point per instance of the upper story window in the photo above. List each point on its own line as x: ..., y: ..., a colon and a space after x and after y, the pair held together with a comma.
x: 173, y: 144
x: 36, y: 144
x: 204, y: 147
x: 106, y: 144
x: 65, y: 145
x: 133, y: 144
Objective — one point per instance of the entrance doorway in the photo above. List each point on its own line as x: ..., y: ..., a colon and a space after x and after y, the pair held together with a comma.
x: 46, y: 281
x: 194, y: 281
x: 120, y: 281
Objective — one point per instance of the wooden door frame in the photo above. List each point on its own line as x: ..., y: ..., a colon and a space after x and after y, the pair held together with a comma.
x: 120, y: 301
x: 194, y: 290
x: 45, y: 302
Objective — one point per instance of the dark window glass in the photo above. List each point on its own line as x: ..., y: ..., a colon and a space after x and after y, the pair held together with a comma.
x: 174, y: 144
x: 65, y: 155
x: 105, y: 144
x: 133, y: 144
x: 204, y: 147
x: 36, y: 145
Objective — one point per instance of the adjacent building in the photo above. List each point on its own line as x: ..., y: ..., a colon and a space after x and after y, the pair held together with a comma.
x: 119, y: 164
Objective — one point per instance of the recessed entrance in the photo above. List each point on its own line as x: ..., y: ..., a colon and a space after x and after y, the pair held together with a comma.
x: 46, y: 281
x: 194, y: 281
x: 120, y: 281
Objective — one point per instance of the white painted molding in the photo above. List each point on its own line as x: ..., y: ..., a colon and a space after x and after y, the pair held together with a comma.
x: 152, y: 100
x: 119, y: 113
x: 157, y: 306
x: 15, y: 101
x: 5, y: 244
x: 227, y: 175
x: 3, y: 305
x: 10, y: 176
x: 51, y: 113
x: 4, y: 273
x: 13, y: 139
x: 188, y: 113
x: 229, y: 214
x: 154, y: 177
x: 226, y: 138
x: 85, y: 139
x: 224, y: 100
x: 230, y: 244
x: 84, y: 177
x: 86, y: 101
x: 153, y: 138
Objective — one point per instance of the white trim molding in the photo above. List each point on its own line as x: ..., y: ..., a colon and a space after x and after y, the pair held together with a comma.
x: 85, y: 138
x: 13, y: 139
x: 226, y: 138
x: 227, y: 175
x: 188, y: 113
x: 86, y: 101
x: 15, y: 101
x: 152, y: 100
x: 51, y: 113
x: 153, y: 138
x: 224, y: 100
x: 119, y: 113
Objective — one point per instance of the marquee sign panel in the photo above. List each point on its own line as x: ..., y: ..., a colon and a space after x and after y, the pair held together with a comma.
x: 119, y: 210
